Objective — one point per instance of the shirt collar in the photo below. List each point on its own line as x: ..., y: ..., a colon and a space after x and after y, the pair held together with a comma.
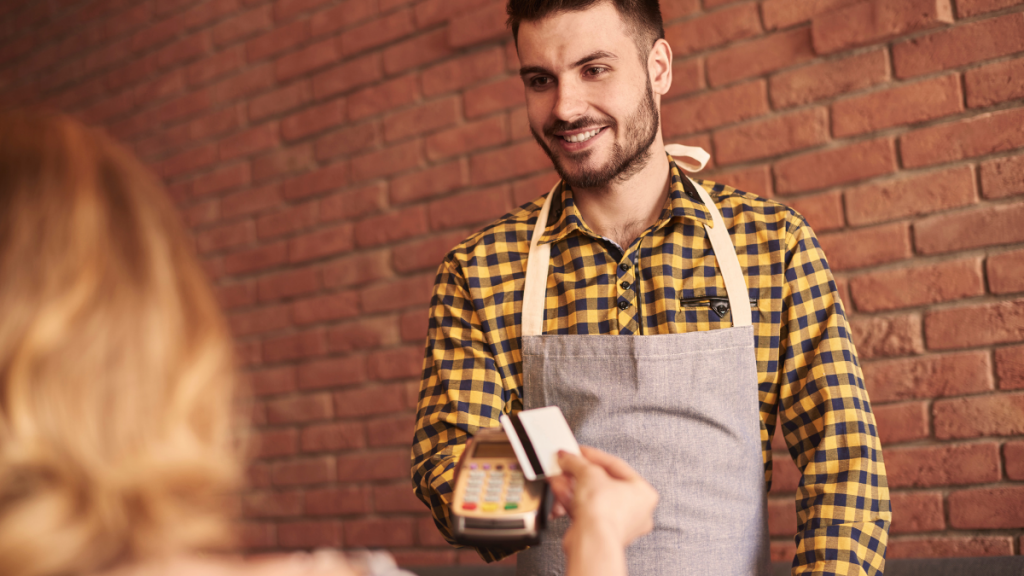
x: 564, y: 217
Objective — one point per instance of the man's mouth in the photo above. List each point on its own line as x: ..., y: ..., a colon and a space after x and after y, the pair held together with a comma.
x: 580, y: 136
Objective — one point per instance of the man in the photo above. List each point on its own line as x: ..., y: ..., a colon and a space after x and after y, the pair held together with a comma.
x: 724, y: 312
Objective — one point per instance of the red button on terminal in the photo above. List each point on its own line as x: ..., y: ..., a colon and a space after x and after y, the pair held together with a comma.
x: 468, y: 506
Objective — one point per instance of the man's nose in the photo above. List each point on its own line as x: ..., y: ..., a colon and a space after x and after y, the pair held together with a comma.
x: 570, y: 103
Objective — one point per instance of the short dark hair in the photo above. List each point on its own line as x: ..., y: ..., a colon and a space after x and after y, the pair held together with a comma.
x: 642, y: 16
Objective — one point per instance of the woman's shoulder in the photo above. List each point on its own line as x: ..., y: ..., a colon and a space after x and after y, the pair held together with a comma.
x: 319, y: 563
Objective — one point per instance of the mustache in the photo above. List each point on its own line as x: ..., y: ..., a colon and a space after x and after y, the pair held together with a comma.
x: 584, y: 122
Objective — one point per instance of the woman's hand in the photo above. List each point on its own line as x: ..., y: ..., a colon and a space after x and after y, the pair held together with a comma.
x: 606, y: 499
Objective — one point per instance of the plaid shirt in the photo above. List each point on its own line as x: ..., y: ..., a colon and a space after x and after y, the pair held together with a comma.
x: 808, y: 373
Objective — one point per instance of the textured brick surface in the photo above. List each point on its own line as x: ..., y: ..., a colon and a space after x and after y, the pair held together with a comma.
x: 327, y: 154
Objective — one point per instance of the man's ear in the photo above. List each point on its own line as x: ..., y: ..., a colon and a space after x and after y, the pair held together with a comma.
x: 659, y: 66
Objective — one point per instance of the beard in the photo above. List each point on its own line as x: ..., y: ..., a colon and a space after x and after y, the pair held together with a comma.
x: 626, y: 159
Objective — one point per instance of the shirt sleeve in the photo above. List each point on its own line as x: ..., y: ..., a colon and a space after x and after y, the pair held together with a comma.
x: 461, y: 392
x: 842, y: 503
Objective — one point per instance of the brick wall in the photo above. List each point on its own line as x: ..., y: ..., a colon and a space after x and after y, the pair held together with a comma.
x: 327, y: 153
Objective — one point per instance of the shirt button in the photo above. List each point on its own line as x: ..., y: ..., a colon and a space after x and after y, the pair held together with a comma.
x: 623, y: 305
x: 624, y: 285
x: 624, y: 267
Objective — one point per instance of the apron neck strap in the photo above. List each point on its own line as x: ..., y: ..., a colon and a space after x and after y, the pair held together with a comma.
x: 535, y: 290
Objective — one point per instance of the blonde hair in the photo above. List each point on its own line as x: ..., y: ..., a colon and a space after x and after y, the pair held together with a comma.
x: 117, y: 428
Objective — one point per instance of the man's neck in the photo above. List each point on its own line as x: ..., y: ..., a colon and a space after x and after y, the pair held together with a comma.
x: 622, y: 210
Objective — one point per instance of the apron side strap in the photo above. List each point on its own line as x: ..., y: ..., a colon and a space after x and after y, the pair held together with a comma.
x: 728, y: 262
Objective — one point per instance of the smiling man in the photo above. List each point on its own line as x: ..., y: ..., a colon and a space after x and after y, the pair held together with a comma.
x: 676, y: 323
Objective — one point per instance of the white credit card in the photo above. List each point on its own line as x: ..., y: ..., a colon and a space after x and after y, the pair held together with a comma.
x: 536, y: 437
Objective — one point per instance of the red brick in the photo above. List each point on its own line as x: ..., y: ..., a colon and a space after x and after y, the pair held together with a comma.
x: 781, y: 517
x: 216, y: 123
x: 395, y: 498
x: 429, y: 182
x: 348, y: 76
x: 301, y: 345
x: 402, y: 293
x: 772, y: 137
x: 236, y: 295
x: 834, y: 166
x: 364, y: 333
x: 423, y: 118
x: 279, y: 40
x: 974, y: 228
x: 242, y: 26
x: 379, y: 533
x: 187, y: 162
x: 905, y: 104
x: 463, y: 71
x: 507, y: 162
x: 1010, y: 367
x: 333, y: 437
x: 475, y: 206
x: 426, y: 253
x: 974, y: 416
x: 276, y: 442
x: 968, y: 8
x: 163, y: 142
x: 313, y: 120
x: 442, y: 557
x: 950, y: 547
x: 343, y: 15
x: 332, y: 373
x: 829, y: 78
x: 305, y: 61
x: 760, y: 56
x: 183, y: 107
x: 272, y: 381
x: 911, y: 196
x: 337, y: 501
x: 281, y: 100
x: 1006, y: 272
x: 1003, y: 177
x: 158, y: 89
x: 917, y: 512
x: 424, y: 49
x: 358, y: 269
x: 326, y: 308
x: 947, y: 465
x: 272, y: 504
x: 287, y: 9
x: 349, y: 139
x: 309, y: 534
x: 782, y: 551
x: 303, y: 472
x: 321, y: 243
x: 203, y: 213
x: 529, y: 189
x: 285, y: 284
x: 864, y: 247
x: 226, y: 236
x: 386, y: 465
x: 326, y: 179
x: 785, y: 475
x: 494, y: 96
x: 881, y: 336
x: 397, y: 158
x: 475, y: 27
x: 472, y: 136
x: 414, y: 327
x: 981, y: 508
x: 904, y: 422
x: 369, y: 401
x: 309, y: 408
x: 997, y: 323
x: 716, y: 108
x: 354, y: 203
x: 960, y: 45
x: 249, y: 142
x: 714, y: 29
x: 786, y: 13
x: 430, y: 12
x: 872, y: 22
x: 258, y: 476
x: 995, y: 83
x: 184, y: 50
x: 942, y: 282
x: 282, y: 162
x: 405, y: 362
x: 928, y: 377
x: 285, y: 222
x: 256, y: 259
x: 256, y: 535
x: 376, y: 32
x: 382, y: 97
x: 391, y: 431
x: 249, y: 354
x: 822, y: 211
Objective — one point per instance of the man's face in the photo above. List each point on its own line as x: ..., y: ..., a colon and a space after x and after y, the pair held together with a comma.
x: 588, y: 95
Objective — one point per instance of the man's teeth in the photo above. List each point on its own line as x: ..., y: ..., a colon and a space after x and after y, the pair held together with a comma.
x: 582, y: 136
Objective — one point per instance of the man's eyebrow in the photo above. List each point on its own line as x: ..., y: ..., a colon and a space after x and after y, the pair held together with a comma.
x: 588, y: 58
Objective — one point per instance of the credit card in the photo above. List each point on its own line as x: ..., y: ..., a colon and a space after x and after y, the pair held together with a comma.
x: 536, y: 437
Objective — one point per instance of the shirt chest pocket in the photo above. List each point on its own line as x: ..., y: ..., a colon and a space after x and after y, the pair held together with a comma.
x: 706, y: 313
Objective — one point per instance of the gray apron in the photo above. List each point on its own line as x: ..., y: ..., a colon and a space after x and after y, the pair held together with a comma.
x: 682, y: 409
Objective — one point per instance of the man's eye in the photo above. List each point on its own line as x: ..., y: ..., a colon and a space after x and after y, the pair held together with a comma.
x: 596, y: 70
x: 539, y: 81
